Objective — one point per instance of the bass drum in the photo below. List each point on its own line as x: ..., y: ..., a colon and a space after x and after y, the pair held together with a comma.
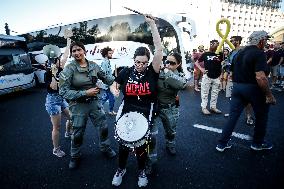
x: 132, y: 129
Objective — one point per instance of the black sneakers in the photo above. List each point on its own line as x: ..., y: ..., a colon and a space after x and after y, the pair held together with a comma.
x: 222, y: 147
x: 262, y: 146
x: 74, y: 163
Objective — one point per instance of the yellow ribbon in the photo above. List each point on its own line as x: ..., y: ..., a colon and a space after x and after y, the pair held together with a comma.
x: 224, y: 37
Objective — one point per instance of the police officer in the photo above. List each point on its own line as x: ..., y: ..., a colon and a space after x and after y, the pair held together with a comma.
x: 250, y: 86
x: 171, y: 80
x: 78, y: 84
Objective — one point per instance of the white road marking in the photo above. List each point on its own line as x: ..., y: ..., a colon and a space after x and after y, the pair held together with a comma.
x: 237, y: 135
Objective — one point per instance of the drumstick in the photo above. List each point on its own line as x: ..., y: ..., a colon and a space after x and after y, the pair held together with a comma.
x: 137, y: 12
x: 115, y: 71
x: 115, y: 74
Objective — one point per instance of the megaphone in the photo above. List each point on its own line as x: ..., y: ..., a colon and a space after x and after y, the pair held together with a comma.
x: 51, y: 51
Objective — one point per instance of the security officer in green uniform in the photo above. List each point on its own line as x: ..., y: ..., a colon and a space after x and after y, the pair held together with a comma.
x: 79, y: 84
x: 171, y: 80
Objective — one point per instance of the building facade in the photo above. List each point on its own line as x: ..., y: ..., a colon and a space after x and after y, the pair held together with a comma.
x: 245, y: 17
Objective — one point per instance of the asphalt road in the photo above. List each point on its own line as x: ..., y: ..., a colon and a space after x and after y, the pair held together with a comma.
x: 27, y: 162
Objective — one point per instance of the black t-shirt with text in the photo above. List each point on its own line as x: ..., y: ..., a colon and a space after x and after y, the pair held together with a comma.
x: 212, y: 63
x: 139, y: 90
x: 249, y: 60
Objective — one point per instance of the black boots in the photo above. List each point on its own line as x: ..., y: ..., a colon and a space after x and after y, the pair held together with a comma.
x: 74, y: 163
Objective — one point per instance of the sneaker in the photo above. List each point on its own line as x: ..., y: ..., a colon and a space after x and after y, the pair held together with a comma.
x: 263, y: 146
x: 196, y: 89
x: 67, y: 135
x: 58, y: 152
x: 112, y: 113
x: 250, y: 121
x: 117, y: 178
x: 142, y: 179
x: 205, y: 111
x: 222, y: 147
x: 215, y: 110
x: 110, y: 153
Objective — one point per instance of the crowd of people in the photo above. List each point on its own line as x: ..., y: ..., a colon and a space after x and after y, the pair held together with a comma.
x: 150, y: 93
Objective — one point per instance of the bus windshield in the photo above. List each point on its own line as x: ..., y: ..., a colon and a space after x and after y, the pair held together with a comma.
x: 13, y: 57
x: 122, y: 33
x: 16, y: 72
x: 116, y: 28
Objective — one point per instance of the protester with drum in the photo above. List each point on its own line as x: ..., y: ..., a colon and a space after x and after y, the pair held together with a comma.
x: 135, y: 116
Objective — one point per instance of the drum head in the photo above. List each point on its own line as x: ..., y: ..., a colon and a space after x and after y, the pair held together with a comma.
x: 132, y: 127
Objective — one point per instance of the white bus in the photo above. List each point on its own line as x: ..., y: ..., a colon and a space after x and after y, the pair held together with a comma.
x: 123, y: 33
x: 16, y: 72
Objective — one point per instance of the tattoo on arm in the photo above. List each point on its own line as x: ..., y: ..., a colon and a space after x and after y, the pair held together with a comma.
x: 263, y: 83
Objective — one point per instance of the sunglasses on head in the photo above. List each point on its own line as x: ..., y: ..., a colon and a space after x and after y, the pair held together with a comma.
x: 172, y: 63
x: 140, y: 62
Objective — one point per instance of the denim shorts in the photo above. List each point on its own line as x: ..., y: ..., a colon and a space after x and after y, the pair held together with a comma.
x: 55, y: 104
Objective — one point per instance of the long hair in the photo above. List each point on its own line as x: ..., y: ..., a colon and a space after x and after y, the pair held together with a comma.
x: 178, y: 58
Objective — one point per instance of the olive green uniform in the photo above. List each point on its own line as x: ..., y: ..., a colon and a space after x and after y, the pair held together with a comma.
x: 73, y: 83
x: 168, y: 86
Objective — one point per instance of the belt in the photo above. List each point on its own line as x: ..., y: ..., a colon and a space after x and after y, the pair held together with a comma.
x: 84, y: 100
x: 163, y: 106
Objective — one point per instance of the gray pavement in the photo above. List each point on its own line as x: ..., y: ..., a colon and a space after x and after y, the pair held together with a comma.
x: 26, y: 159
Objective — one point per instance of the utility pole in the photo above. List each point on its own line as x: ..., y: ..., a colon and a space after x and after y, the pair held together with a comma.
x: 110, y: 7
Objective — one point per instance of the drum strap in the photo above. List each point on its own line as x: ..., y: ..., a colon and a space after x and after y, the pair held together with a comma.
x: 119, y: 112
x: 151, y: 112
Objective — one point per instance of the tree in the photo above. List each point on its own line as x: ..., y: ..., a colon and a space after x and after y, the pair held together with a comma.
x: 119, y: 31
x: 80, y: 33
x: 94, y: 31
x: 40, y: 35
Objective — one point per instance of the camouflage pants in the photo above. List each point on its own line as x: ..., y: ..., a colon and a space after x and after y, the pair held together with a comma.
x: 169, y: 117
x: 206, y: 84
x: 80, y: 113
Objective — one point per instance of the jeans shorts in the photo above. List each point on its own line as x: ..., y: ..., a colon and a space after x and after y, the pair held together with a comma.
x: 55, y: 104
